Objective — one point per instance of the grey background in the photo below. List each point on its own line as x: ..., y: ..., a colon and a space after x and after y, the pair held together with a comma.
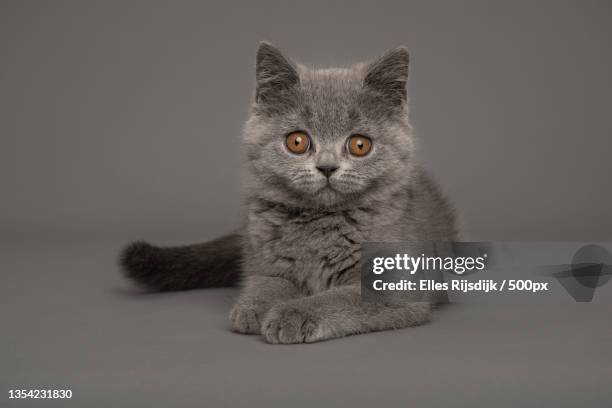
x: 122, y: 120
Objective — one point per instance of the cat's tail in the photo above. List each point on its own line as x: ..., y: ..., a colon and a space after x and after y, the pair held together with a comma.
x: 211, y: 264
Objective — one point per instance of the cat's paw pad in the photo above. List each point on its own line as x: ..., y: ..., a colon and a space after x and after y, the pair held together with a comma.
x: 245, y: 319
x: 289, y: 324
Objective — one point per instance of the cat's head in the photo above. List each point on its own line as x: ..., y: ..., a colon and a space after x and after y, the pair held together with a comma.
x: 326, y: 137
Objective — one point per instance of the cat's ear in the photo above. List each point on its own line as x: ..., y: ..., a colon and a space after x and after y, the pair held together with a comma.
x: 275, y: 74
x: 387, y: 75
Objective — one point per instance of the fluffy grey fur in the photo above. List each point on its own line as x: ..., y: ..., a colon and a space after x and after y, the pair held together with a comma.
x: 300, y: 240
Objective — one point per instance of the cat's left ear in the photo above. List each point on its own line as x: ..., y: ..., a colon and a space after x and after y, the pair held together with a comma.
x: 274, y: 72
x: 387, y: 76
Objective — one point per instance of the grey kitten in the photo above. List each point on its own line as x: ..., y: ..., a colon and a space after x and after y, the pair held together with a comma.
x: 328, y: 164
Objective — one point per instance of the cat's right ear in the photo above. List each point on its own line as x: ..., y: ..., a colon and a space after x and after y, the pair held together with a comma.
x: 275, y: 74
x: 388, y: 74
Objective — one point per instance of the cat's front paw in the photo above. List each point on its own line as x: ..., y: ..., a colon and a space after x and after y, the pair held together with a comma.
x: 288, y: 324
x: 246, y: 318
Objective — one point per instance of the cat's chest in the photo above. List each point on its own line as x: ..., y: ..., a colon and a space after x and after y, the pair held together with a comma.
x: 314, y: 250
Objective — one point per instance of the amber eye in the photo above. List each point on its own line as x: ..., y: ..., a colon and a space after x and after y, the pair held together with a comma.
x: 359, y: 145
x: 298, y: 142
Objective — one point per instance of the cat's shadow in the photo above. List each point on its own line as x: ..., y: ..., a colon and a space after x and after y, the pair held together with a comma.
x: 220, y: 299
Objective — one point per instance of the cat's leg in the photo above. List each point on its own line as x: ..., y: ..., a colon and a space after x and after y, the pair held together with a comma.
x: 258, y: 295
x: 335, y: 313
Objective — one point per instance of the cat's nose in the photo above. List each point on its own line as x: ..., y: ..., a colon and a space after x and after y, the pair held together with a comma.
x: 327, y: 163
x: 327, y: 169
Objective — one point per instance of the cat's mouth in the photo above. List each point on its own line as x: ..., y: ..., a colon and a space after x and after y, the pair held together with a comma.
x: 328, y: 186
x: 325, y: 191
